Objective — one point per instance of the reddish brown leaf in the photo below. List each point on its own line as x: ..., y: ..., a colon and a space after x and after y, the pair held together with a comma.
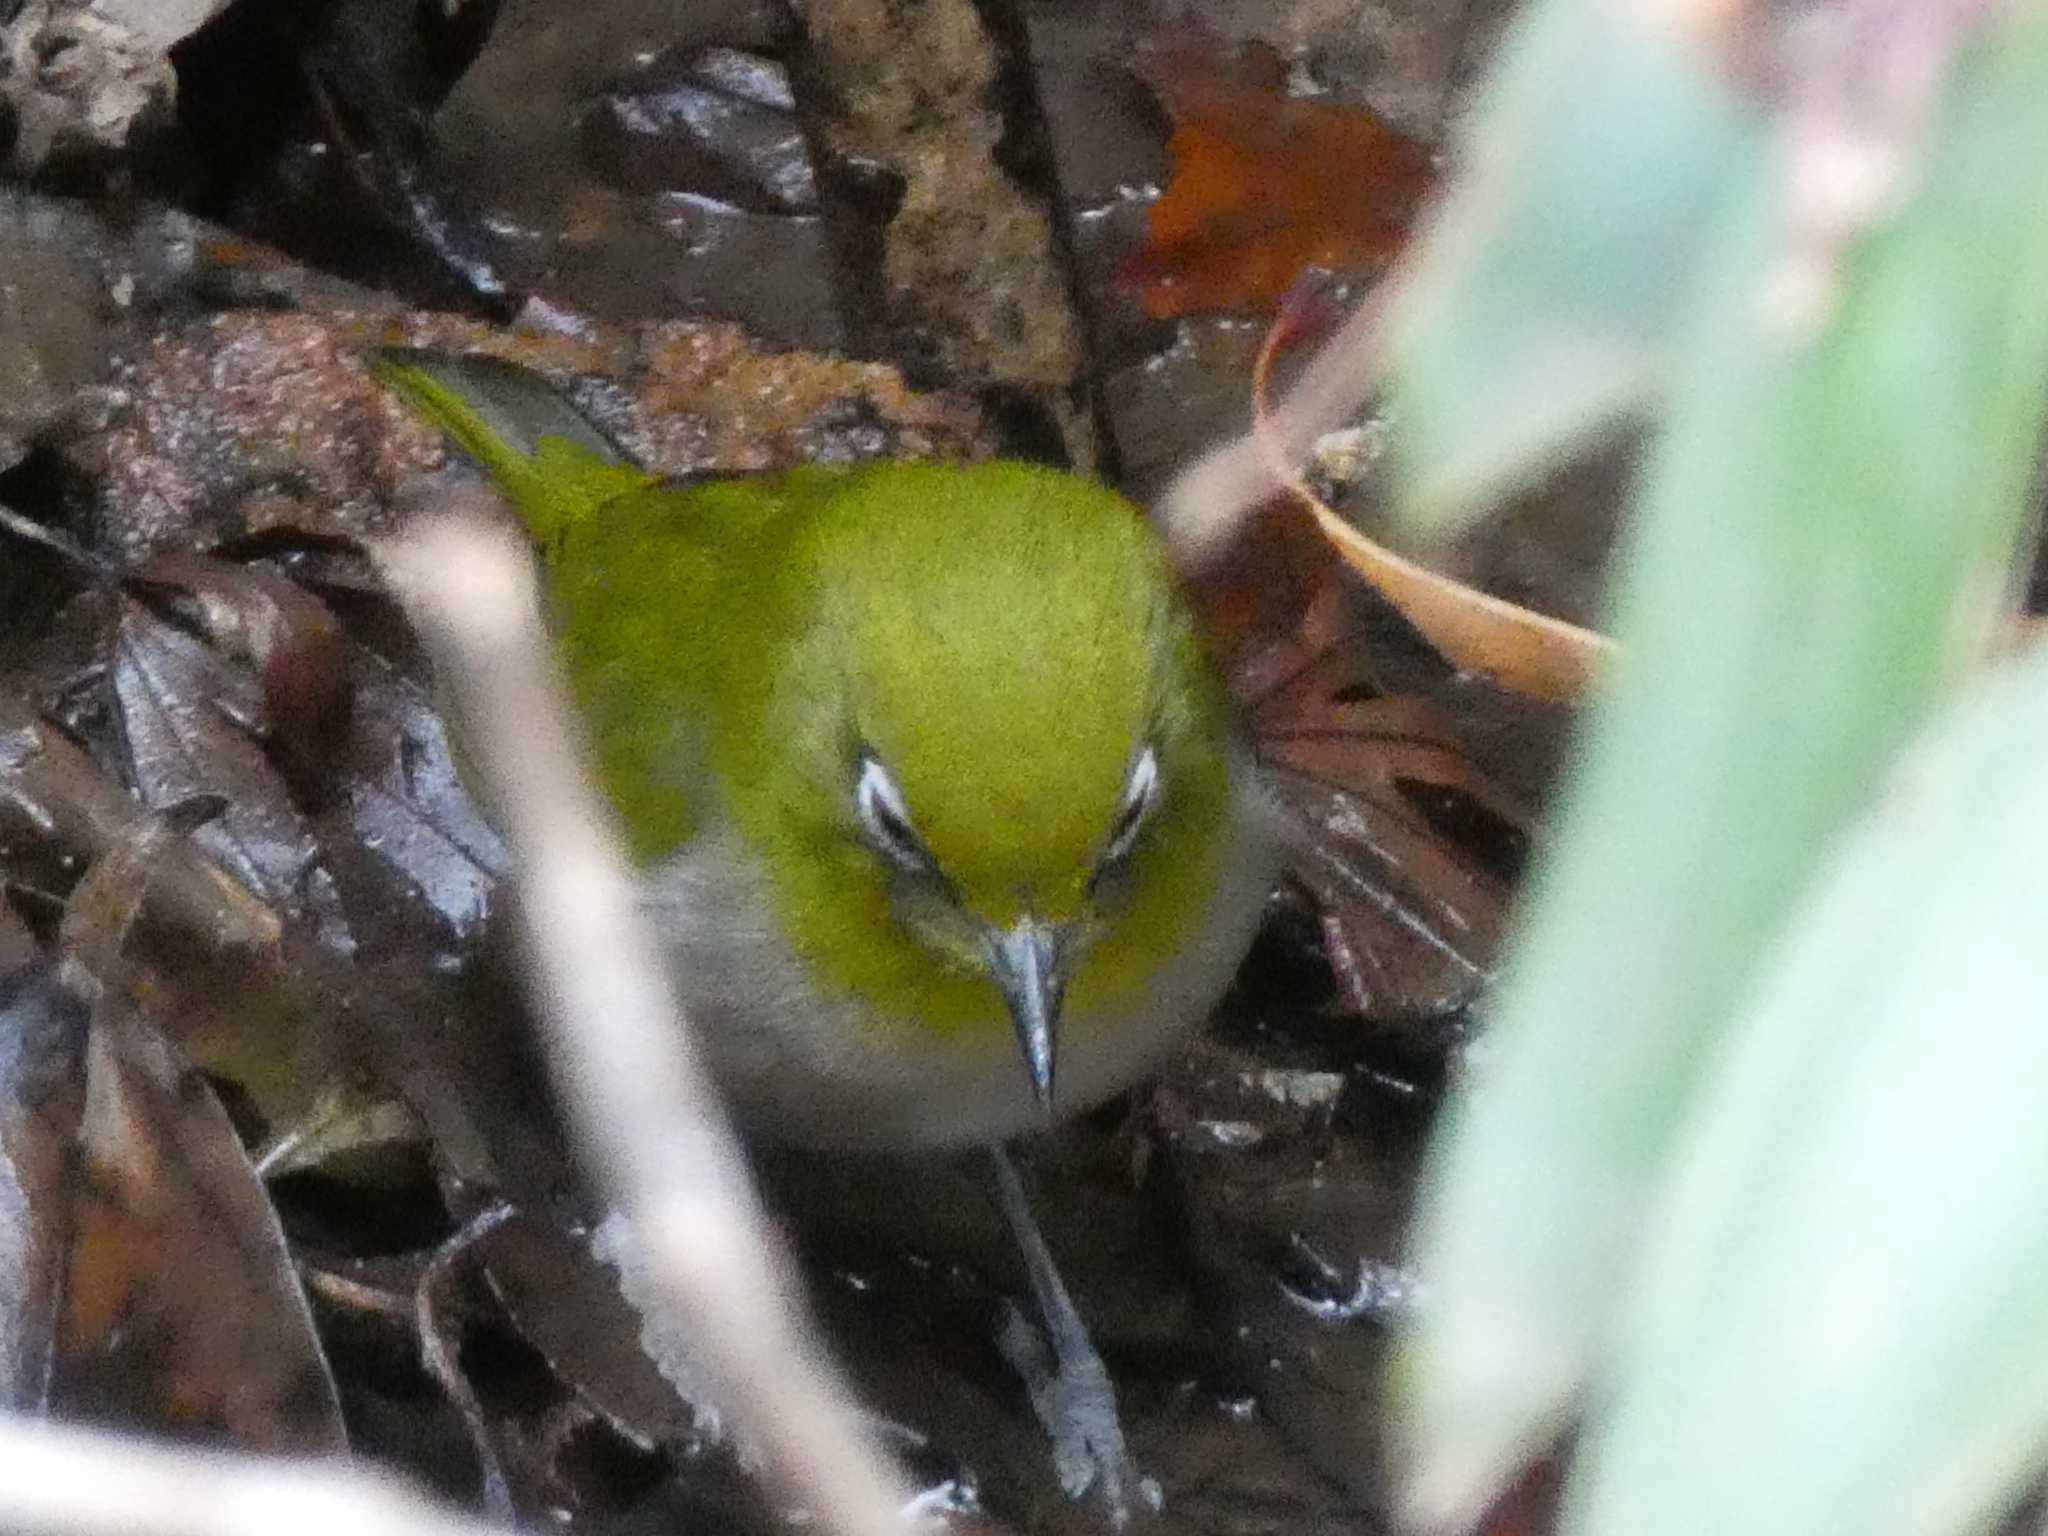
x: 1253, y: 596
x: 1264, y: 184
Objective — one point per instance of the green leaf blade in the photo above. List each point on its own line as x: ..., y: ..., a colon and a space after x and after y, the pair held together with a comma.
x: 1820, y: 531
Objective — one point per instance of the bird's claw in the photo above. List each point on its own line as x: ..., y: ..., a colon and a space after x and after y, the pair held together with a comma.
x: 1076, y: 1403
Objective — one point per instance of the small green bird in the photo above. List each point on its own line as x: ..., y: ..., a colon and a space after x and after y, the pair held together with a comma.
x: 948, y: 824
x: 947, y: 821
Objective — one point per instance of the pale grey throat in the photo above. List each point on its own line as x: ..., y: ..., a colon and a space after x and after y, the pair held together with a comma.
x: 800, y: 1064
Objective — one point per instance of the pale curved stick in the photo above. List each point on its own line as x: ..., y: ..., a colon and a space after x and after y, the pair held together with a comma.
x: 645, y: 1112
x: 62, y: 1480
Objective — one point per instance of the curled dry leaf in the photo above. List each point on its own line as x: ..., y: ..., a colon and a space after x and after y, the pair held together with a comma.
x: 1264, y: 184
x: 1513, y: 647
x: 1510, y: 646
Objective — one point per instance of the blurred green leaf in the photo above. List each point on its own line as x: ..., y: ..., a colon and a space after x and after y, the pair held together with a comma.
x: 1820, y: 529
x: 1844, y: 1324
x: 1565, y: 266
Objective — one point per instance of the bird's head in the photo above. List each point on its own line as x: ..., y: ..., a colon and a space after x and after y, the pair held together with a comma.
x: 994, y: 777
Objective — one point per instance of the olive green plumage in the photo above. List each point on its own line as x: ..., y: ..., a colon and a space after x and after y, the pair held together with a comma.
x: 775, y: 668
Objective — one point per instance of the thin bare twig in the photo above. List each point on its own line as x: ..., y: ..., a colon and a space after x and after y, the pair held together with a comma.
x: 441, y: 1352
x: 645, y: 1111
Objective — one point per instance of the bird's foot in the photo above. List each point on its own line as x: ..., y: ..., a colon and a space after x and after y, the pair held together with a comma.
x: 1076, y: 1402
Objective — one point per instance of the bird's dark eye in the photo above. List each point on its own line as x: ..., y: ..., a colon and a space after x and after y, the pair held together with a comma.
x: 1141, y: 793
x: 885, y: 817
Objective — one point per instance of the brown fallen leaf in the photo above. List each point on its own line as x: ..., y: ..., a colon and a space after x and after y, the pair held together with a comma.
x: 402, y: 807
x: 60, y: 814
x: 1264, y: 184
x: 1406, y: 847
x: 156, y: 920
x: 1513, y: 647
x: 307, y: 1036
x: 285, y: 635
x: 567, y: 1305
x: 188, y: 718
x: 182, y: 1312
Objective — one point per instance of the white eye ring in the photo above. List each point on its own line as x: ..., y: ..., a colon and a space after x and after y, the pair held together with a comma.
x: 1141, y: 793
x: 885, y: 816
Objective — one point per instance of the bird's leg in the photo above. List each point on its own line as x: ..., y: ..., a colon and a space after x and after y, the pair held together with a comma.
x: 1071, y: 1391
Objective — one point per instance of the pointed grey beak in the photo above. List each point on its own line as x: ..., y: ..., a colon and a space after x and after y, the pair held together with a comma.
x: 1024, y: 962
